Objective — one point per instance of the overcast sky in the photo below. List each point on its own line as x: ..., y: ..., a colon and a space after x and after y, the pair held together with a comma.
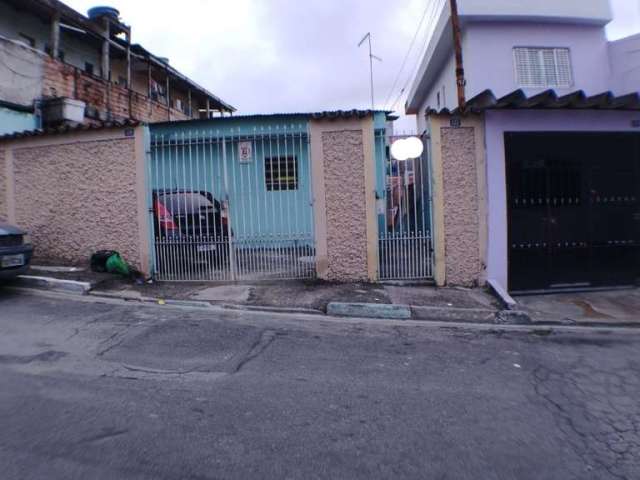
x: 266, y: 56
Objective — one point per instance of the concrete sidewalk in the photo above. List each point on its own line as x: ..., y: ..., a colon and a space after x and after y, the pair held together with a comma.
x: 419, y: 301
x: 407, y: 301
x: 621, y: 306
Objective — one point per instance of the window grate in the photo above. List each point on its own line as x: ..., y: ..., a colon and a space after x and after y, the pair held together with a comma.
x: 281, y: 173
x: 543, y: 67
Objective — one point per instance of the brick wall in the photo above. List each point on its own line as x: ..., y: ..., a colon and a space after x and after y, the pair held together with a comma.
x: 101, y: 97
x: 77, y: 194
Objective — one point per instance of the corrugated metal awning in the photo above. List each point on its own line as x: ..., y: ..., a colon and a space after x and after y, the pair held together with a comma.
x: 71, y: 129
x: 547, y: 100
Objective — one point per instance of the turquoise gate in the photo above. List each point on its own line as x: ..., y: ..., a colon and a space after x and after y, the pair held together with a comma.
x: 231, y: 199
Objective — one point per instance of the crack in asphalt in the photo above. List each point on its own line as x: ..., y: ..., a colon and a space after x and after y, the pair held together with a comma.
x: 258, y: 347
x: 597, y: 412
x: 106, y: 434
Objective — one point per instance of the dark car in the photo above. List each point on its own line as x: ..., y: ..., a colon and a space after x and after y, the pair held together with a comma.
x: 15, y: 251
x: 190, y: 227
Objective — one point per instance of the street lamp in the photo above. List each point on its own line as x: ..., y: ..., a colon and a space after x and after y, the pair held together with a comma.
x: 407, y: 148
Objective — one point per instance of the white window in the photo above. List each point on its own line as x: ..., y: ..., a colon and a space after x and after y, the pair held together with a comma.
x: 543, y: 67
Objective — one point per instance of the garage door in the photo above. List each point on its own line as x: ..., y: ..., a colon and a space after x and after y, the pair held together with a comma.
x: 574, y: 210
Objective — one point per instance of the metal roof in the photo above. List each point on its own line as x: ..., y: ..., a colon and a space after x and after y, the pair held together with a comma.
x: 332, y: 114
x: 547, y: 100
x: 70, y: 129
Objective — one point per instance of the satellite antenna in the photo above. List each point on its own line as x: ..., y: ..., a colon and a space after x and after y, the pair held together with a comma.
x: 372, y: 57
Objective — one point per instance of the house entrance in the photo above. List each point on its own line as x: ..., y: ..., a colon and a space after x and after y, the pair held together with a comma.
x: 574, y: 210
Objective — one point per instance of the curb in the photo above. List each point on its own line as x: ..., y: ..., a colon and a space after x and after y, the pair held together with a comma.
x: 48, y: 283
x: 257, y: 308
x: 369, y: 310
x: 337, y: 309
x: 471, y: 315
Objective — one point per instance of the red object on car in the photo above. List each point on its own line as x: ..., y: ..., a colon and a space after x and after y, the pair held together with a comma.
x: 165, y: 218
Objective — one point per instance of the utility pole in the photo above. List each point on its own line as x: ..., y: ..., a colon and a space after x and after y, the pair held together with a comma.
x: 457, y: 42
x: 372, y: 57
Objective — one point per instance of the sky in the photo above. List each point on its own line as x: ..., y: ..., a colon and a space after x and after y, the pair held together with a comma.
x: 270, y: 56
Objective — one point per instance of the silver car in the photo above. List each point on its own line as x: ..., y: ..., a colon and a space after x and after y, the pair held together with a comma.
x: 16, y: 251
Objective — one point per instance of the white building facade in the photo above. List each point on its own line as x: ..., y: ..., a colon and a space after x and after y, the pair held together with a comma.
x: 543, y: 83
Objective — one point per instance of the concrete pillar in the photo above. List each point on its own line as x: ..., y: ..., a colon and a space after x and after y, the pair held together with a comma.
x: 55, y: 36
x: 458, y: 163
x: 168, y: 97
x: 343, y: 176
x: 106, y: 47
x: 128, y: 59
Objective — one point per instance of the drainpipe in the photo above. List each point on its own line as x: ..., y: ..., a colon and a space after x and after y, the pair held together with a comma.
x: 457, y: 43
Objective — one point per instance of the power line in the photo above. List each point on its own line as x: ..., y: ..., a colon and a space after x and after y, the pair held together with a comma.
x: 406, y: 57
x: 433, y: 17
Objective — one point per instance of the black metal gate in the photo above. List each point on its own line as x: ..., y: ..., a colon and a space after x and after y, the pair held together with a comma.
x: 574, y: 210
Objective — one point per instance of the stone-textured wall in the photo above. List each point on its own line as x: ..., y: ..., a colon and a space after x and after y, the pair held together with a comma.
x: 461, y: 222
x: 4, y: 214
x: 345, y: 205
x: 79, y: 197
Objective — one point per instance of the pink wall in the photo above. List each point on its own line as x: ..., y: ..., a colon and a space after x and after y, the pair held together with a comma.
x: 499, y: 122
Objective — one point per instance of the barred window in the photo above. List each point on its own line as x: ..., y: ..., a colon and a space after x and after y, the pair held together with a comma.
x: 281, y: 173
x: 543, y: 67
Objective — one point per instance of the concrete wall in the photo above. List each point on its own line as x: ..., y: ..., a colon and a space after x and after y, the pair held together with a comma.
x: 565, y: 11
x: 499, y: 122
x: 489, y: 61
x: 78, y: 193
x: 459, y: 200
x: 344, y: 182
x: 27, y: 75
x: 625, y: 64
x: 21, y: 73
x: 490, y: 30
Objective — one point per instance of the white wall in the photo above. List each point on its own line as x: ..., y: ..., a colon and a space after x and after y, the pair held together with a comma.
x: 579, y: 11
x: 500, y: 121
x: 625, y: 63
x: 489, y: 62
x: 12, y: 23
x: 77, y: 52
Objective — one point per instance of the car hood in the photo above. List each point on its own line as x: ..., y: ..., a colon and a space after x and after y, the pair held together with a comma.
x: 6, y: 229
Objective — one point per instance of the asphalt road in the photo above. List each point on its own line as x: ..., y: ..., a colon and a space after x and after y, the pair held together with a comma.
x: 111, y: 391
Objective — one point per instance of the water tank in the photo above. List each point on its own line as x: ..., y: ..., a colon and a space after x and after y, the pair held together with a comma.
x: 97, y: 12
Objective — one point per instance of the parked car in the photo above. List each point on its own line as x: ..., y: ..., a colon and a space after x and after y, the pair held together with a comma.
x: 15, y: 251
x: 190, y: 227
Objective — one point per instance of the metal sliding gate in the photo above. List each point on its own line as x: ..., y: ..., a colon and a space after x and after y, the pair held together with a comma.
x: 404, y: 212
x: 232, y: 204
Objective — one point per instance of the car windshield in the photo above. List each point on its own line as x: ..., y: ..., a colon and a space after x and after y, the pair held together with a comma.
x: 185, y: 203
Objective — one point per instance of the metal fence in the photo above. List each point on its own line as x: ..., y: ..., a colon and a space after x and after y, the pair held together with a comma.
x: 404, y: 213
x: 232, y: 204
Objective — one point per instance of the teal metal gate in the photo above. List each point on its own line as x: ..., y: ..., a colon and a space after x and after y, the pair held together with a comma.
x: 231, y: 203
x: 404, y: 212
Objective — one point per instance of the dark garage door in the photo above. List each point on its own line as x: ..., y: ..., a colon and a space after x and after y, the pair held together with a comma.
x: 574, y: 209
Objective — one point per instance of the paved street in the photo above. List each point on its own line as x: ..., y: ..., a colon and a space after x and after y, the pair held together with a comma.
x: 113, y: 391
